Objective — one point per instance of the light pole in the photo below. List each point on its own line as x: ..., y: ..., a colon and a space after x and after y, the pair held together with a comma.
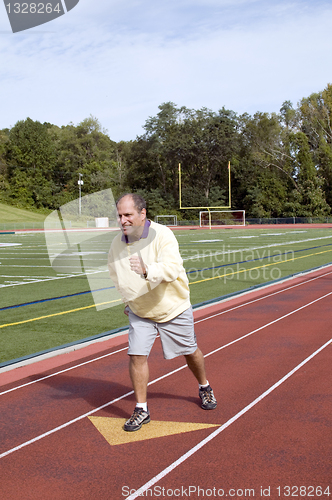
x: 80, y: 183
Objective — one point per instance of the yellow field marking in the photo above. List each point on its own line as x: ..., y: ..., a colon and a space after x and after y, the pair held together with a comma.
x: 112, y: 429
x: 59, y: 314
x: 258, y: 267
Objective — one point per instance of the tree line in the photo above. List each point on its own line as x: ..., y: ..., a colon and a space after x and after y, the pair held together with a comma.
x: 281, y: 163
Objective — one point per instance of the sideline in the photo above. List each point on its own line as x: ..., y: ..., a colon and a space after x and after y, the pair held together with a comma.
x: 62, y: 371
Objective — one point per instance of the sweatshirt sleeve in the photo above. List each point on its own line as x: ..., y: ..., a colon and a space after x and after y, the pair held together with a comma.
x: 168, y: 264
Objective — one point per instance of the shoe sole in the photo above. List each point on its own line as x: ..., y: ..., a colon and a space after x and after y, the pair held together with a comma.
x: 209, y: 407
x: 138, y: 427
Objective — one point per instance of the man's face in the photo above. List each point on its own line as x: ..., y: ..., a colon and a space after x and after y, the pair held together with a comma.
x: 131, y: 221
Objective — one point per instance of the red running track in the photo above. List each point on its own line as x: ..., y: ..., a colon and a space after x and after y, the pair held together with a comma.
x: 268, y: 359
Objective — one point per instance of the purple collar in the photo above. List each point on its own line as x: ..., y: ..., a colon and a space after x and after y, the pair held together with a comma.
x: 145, y: 233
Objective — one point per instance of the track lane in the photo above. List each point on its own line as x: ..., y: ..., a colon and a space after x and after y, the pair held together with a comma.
x: 282, y: 441
x: 239, y: 372
x: 85, y: 388
x: 81, y: 391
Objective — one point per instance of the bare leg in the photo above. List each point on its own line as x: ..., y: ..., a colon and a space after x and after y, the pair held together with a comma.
x: 139, y: 374
x: 196, y: 364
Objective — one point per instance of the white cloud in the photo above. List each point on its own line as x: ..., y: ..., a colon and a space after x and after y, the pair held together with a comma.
x: 119, y: 60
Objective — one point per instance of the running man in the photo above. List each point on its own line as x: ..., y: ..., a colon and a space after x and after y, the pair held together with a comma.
x: 146, y: 267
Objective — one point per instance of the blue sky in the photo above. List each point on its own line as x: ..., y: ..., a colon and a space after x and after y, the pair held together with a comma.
x: 119, y: 60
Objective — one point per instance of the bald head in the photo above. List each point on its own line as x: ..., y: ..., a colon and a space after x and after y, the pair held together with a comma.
x: 132, y: 214
x: 139, y: 201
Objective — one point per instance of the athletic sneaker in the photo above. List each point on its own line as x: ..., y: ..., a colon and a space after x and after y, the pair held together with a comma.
x: 209, y: 402
x: 138, y: 418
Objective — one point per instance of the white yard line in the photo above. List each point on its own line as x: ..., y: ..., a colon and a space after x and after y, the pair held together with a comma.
x: 88, y: 272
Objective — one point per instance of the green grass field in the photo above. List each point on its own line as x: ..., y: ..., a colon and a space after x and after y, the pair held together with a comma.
x: 42, y: 309
x: 17, y: 218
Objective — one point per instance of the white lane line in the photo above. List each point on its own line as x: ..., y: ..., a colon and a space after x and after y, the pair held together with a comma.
x: 265, y: 297
x: 77, y: 419
x: 63, y: 426
x: 170, y: 468
x: 63, y: 371
x: 81, y: 417
x: 197, y: 321
x: 267, y: 325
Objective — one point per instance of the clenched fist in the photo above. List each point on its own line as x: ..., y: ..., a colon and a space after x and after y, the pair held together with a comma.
x: 137, y: 265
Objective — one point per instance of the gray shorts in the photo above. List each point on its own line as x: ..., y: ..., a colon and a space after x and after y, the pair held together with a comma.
x: 177, y: 335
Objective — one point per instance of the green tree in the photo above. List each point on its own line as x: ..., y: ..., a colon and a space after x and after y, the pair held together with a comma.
x: 30, y: 156
x: 4, y: 184
x: 210, y: 142
x: 280, y: 174
x: 266, y: 172
x: 84, y: 149
x: 309, y: 194
x: 316, y: 123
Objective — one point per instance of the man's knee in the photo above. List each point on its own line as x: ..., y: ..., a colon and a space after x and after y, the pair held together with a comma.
x: 194, y: 355
x: 137, y: 360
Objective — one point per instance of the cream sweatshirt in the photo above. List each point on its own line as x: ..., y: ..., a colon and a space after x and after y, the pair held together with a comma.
x: 165, y: 293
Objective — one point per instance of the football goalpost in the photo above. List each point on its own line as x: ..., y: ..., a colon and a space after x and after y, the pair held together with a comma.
x: 212, y: 216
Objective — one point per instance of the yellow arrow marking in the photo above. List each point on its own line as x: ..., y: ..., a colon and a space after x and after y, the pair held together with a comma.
x: 112, y: 429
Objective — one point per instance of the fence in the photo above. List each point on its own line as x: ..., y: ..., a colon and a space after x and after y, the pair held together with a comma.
x: 10, y: 226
